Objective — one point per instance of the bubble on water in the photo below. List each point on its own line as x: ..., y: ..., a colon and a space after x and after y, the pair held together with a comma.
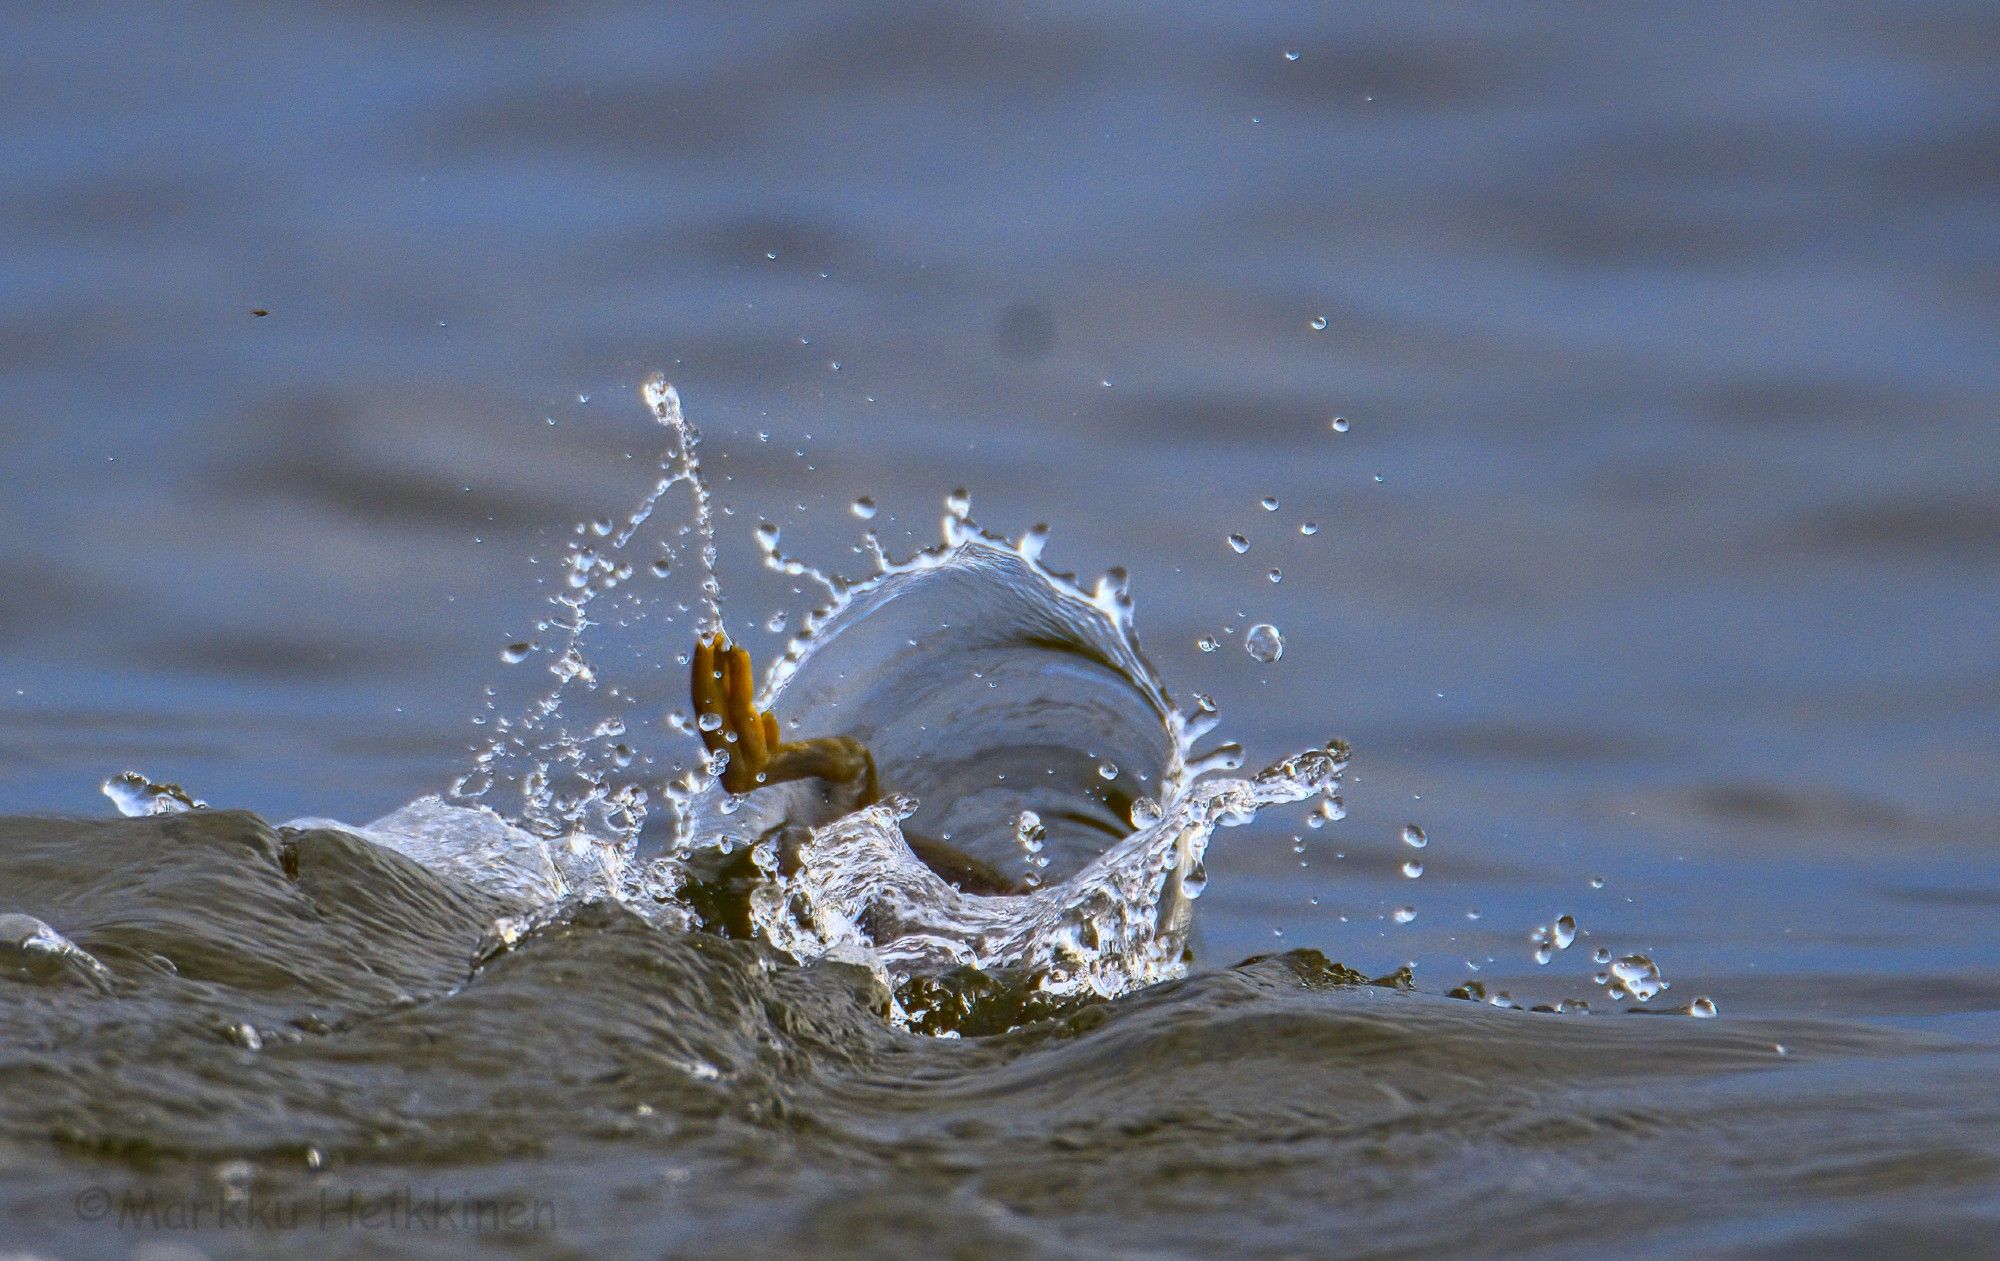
x: 1309, y: 529
x: 1413, y: 869
x: 1263, y: 642
x: 515, y: 654
x: 1208, y: 643
x: 1404, y: 914
x: 1339, y: 424
x: 1319, y: 323
x: 863, y: 507
x: 1413, y: 836
x: 1269, y: 503
x: 137, y: 797
x: 1276, y: 575
x: 1238, y: 544
x: 31, y: 951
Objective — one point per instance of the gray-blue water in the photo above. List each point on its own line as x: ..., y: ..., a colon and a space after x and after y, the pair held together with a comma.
x: 1662, y: 546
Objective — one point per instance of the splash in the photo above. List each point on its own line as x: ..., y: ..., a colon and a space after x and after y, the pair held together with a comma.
x: 990, y: 689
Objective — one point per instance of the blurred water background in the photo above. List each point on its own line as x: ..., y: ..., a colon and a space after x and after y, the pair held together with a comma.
x: 1662, y: 544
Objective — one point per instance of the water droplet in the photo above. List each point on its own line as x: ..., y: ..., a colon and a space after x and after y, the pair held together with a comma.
x: 1238, y: 544
x: 1107, y: 770
x: 1309, y: 529
x: 1145, y: 812
x: 1269, y: 503
x: 864, y: 507
x: 1413, y: 869
x: 1208, y: 643
x: 1276, y: 575
x: 1378, y: 478
x: 1565, y: 932
x: 1637, y: 976
x: 1195, y: 882
x: 1319, y: 323
x: 1028, y: 830
x: 1413, y: 836
x: 1263, y: 642
x: 958, y: 503
x: 515, y: 654
x: 1703, y: 1009
x: 1404, y: 914
x: 775, y: 623
x: 710, y: 722
x: 1597, y: 882
x: 662, y: 567
x: 1339, y: 424
x: 1291, y: 54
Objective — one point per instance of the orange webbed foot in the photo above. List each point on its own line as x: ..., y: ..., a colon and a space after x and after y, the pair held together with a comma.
x: 724, y: 689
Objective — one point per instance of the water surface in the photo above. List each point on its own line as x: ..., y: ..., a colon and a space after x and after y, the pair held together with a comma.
x: 1669, y: 334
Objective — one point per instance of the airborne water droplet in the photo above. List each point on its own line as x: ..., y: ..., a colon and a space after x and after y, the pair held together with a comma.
x: 1339, y: 424
x: 1276, y: 575
x: 1404, y: 914
x: 1413, y: 836
x: 864, y: 507
x: 1239, y: 544
x: 1269, y: 503
x: 515, y: 654
x: 1208, y: 643
x: 1309, y: 529
x: 1319, y: 323
x: 1263, y: 642
x: 1107, y: 770
x: 1413, y: 869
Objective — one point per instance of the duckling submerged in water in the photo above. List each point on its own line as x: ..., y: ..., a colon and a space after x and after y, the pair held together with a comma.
x: 724, y: 691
